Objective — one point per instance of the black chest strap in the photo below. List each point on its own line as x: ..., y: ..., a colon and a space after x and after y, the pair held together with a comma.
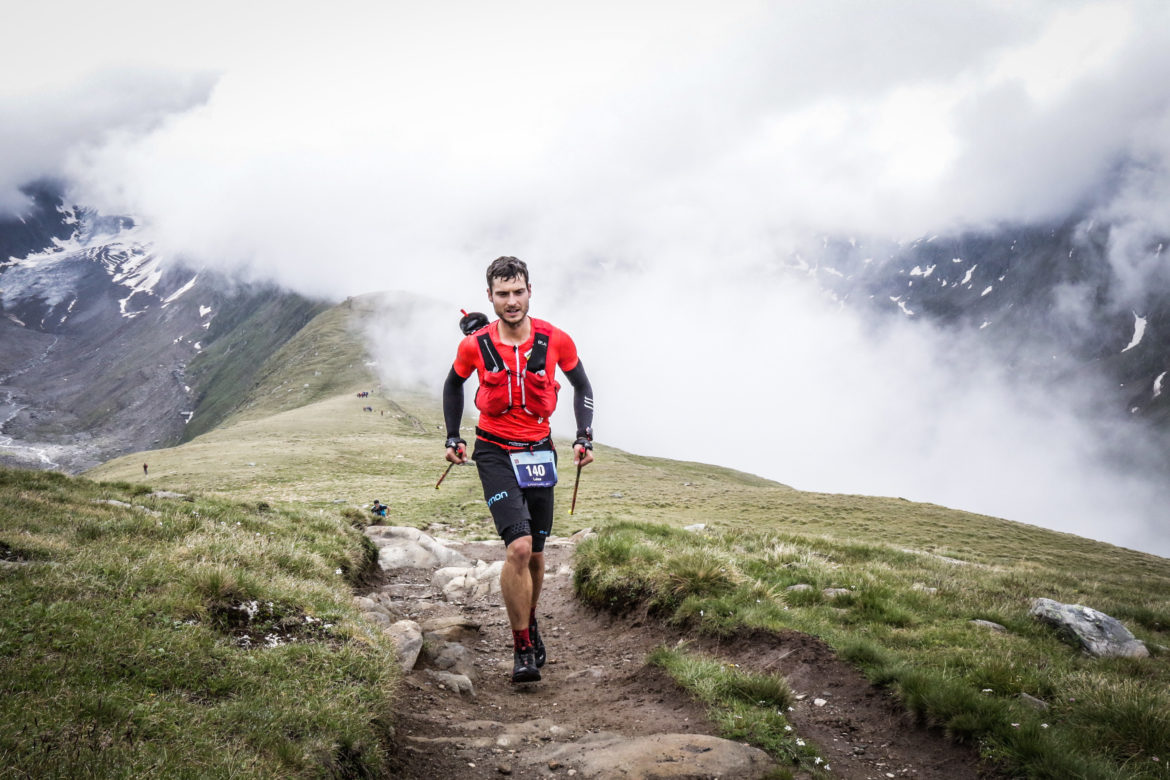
x: 492, y: 361
x: 539, y: 354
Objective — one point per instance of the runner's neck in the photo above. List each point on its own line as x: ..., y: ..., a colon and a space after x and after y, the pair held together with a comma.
x: 515, y: 335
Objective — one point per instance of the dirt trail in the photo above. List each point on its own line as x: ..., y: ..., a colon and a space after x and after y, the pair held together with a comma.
x: 596, y: 681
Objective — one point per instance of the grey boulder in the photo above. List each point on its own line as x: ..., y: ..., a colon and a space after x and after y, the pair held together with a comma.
x: 1095, y: 632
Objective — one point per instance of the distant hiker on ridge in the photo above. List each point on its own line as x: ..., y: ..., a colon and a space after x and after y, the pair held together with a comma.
x: 144, y: 469
x: 516, y: 358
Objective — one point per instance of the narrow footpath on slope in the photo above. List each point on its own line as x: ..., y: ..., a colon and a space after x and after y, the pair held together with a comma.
x: 599, y: 710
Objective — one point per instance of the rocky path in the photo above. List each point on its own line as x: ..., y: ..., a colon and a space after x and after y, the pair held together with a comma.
x: 600, y: 711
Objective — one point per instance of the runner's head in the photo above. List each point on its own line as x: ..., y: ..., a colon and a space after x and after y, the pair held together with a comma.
x: 506, y: 269
x: 509, y: 290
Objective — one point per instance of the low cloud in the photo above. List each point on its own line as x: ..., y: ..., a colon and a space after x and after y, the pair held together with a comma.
x: 659, y: 174
x: 42, y: 130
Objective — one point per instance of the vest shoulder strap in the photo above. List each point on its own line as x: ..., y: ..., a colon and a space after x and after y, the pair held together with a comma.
x: 492, y: 361
x: 537, y: 360
x: 539, y: 356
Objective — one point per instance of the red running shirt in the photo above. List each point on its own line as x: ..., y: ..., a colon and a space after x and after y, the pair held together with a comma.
x: 516, y: 424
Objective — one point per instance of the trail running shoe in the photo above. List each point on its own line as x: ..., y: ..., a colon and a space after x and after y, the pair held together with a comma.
x: 537, y: 644
x: 524, y: 668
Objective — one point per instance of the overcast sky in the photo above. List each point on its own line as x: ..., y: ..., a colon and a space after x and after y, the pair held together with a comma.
x: 651, y: 161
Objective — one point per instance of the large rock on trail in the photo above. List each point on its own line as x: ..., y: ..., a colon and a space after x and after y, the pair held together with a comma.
x: 453, y: 657
x: 1097, y: 633
x: 401, y: 547
x: 408, y: 640
x: 451, y: 628
x: 661, y: 756
x: 464, y: 584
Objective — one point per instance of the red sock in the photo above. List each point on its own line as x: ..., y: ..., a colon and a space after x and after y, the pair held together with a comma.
x: 520, y: 639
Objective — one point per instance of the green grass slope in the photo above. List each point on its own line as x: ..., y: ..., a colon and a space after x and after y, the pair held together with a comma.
x: 244, y: 333
x: 143, y: 636
x: 325, y: 357
x: 917, y: 575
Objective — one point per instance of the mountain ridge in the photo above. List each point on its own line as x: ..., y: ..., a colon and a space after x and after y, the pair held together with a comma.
x: 101, y: 339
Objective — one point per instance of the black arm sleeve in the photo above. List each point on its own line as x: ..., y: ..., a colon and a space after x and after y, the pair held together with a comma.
x: 582, y: 400
x: 453, y: 403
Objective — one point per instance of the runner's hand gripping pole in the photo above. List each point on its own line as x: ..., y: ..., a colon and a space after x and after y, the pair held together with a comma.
x: 460, y: 447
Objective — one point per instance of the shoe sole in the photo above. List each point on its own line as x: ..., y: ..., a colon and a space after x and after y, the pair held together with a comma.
x: 530, y: 677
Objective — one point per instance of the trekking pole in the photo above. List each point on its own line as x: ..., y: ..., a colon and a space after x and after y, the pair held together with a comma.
x: 458, y: 450
x: 576, y: 484
x: 445, y: 473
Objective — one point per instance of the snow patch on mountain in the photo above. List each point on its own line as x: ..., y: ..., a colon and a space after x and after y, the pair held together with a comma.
x: 177, y: 294
x: 69, y: 214
x: 54, y: 276
x: 1139, y: 330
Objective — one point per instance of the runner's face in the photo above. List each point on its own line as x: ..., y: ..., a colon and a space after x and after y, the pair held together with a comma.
x: 510, y: 297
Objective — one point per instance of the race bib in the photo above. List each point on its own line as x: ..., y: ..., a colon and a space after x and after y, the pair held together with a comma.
x: 534, y: 469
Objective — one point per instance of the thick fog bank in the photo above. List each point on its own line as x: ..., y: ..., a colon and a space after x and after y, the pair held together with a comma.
x: 659, y: 166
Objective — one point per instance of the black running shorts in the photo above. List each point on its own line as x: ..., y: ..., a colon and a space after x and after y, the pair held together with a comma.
x: 516, y: 512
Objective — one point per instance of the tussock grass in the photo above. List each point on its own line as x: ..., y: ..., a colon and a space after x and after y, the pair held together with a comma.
x: 747, y: 706
x: 1103, y: 718
x: 173, y: 638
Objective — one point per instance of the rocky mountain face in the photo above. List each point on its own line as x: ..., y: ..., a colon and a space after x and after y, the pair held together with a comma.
x: 98, y: 333
x: 1054, y: 303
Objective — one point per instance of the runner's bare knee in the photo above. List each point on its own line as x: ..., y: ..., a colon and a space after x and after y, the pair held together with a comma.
x: 520, y: 550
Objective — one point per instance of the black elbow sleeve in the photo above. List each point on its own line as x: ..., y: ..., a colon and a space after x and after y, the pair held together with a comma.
x: 453, y: 403
x: 582, y: 400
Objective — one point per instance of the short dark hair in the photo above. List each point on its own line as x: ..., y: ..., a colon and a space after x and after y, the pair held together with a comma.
x: 505, y: 268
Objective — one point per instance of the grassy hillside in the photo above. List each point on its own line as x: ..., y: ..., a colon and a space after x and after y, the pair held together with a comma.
x: 243, y: 336
x: 149, y: 636
x: 326, y: 356
x: 916, y: 574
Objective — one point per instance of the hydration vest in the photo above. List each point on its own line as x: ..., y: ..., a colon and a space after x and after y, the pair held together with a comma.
x: 530, y: 386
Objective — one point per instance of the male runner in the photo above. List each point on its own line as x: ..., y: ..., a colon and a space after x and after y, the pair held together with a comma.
x: 516, y: 358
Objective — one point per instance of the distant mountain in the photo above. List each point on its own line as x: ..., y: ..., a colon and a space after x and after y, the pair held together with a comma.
x: 101, y: 338
x: 1047, y: 299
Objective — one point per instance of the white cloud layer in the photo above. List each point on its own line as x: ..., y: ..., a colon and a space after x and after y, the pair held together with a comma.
x: 652, y: 161
x: 40, y: 129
